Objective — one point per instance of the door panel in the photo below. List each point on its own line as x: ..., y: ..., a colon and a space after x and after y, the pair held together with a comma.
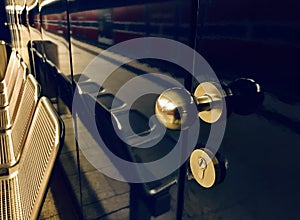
x: 74, y: 48
x: 242, y: 39
x: 95, y: 27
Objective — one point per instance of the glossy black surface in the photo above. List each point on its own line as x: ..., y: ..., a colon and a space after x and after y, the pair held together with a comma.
x: 249, y: 39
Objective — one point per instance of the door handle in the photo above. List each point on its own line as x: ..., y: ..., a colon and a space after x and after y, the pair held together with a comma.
x: 174, y: 108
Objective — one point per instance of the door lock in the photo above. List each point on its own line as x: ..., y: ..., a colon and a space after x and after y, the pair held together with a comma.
x: 208, y: 170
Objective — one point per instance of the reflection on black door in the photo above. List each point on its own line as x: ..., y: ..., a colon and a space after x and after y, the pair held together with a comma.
x: 251, y: 46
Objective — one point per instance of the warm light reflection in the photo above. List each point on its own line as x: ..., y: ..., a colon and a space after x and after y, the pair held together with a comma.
x: 33, y: 5
x: 47, y: 2
x: 9, y: 8
x: 17, y: 8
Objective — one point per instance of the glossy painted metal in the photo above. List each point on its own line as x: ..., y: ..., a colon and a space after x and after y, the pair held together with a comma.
x: 238, y: 39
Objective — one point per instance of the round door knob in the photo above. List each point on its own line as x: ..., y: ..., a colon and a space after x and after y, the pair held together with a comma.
x: 176, y: 108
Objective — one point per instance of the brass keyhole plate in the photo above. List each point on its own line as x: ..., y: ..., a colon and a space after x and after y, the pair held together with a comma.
x: 204, y: 167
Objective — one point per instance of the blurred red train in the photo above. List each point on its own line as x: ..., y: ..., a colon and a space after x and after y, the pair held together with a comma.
x: 114, y: 25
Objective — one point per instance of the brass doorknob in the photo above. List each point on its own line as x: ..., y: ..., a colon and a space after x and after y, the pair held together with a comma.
x: 176, y: 108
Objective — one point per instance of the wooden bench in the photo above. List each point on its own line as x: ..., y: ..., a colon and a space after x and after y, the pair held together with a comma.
x: 23, y: 189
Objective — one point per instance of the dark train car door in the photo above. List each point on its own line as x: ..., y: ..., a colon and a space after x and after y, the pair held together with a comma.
x: 128, y: 74
x: 238, y: 39
x: 257, y: 151
x: 253, y: 39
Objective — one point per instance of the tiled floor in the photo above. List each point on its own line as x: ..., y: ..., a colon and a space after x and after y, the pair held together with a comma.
x: 101, y: 197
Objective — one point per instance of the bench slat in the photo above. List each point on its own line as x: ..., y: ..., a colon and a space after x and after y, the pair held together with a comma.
x: 13, y: 140
x: 24, y: 190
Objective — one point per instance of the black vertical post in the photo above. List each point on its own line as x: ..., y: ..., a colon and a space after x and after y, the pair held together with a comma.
x: 138, y: 208
x: 188, y: 85
x: 182, y: 177
x: 180, y: 192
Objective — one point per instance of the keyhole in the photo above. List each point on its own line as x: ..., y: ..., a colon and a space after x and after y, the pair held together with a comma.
x: 202, y: 167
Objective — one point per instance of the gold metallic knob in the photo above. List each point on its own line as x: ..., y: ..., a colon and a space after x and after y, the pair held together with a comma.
x: 175, y: 108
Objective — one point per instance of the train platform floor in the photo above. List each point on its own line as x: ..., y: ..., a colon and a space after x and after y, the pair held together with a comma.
x: 92, y: 195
